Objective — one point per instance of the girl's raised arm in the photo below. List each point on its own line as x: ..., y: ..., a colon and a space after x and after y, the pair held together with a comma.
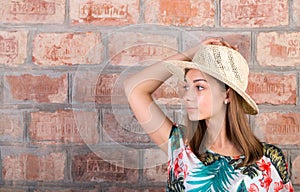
x: 139, y: 88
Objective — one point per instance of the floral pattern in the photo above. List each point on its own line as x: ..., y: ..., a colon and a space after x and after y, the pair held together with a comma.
x: 221, y: 173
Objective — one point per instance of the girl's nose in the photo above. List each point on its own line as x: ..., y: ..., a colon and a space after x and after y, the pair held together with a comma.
x: 189, y: 95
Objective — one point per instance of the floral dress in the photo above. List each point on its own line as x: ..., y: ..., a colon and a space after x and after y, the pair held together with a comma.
x: 220, y: 173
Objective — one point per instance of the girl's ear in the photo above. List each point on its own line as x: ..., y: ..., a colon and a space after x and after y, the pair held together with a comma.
x: 228, y: 95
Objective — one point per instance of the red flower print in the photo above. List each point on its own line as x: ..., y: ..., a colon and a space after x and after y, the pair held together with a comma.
x: 289, y: 187
x: 185, y: 171
x: 253, y: 188
x: 177, y: 168
x: 266, y: 181
x: 180, y: 155
x: 278, y: 186
x: 263, y: 166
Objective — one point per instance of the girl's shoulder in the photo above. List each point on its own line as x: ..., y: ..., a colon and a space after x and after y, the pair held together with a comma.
x: 276, y: 156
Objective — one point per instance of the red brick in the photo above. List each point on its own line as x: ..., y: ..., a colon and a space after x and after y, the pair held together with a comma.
x: 273, y: 88
x: 11, y: 126
x: 119, y: 165
x: 135, y: 189
x: 11, y: 190
x: 278, y: 128
x: 121, y: 126
x: 31, y: 167
x: 155, y: 166
x: 121, y: 189
x: 104, y: 12
x: 296, y: 12
x: 32, y: 11
x: 278, y: 49
x: 64, y: 127
x: 161, y: 189
x: 180, y: 12
x: 65, y: 190
x: 169, y: 92
x: 129, y: 48
x: 40, y: 88
x: 254, y: 13
x: 67, y: 48
x: 296, y: 170
x: 103, y: 89
x: 13, y: 47
x: 91, y: 86
x: 240, y: 40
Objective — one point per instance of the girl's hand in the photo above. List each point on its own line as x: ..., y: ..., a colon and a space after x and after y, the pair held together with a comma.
x: 218, y: 41
x: 189, y: 54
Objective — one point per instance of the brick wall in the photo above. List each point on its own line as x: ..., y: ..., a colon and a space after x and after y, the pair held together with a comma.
x: 64, y: 122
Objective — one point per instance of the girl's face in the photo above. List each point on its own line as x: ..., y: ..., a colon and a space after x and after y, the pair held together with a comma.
x: 204, y: 96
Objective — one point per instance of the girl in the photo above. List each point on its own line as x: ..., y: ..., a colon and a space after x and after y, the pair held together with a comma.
x: 216, y: 149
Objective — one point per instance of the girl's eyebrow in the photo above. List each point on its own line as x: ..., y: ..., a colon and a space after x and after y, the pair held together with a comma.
x: 196, y: 80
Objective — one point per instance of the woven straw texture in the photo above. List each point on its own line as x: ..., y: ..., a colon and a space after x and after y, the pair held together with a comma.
x: 222, y: 63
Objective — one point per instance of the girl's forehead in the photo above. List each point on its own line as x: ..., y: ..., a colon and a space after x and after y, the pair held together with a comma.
x: 192, y: 74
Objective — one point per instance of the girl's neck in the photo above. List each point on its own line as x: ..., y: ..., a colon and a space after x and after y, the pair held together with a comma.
x: 217, y: 139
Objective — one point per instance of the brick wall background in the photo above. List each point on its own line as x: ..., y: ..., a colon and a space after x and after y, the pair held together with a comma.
x: 64, y: 121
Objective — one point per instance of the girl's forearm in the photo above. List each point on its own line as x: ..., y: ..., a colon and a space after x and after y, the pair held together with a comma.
x: 149, y: 79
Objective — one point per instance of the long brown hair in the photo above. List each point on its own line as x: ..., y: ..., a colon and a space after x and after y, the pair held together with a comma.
x: 237, y: 129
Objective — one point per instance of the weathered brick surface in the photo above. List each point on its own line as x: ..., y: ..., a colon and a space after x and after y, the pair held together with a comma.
x: 92, y: 86
x: 121, y: 189
x: 11, y: 126
x: 12, y: 190
x: 161, y: 189
x: 121, y: 126
x: 62, y: 68
x: 296, y: 169
x: 65, y: 190
x: 52, y: 49
x: 135, y: 189
x: 40, y: 88
x: 273, y: 88
x: 32, y: 11
x: 155, y: 165
x: 180, y: 13
x: 129, y: 48
x: 104, y: 12
x: 278, y: 128
x: 241, y: 40
x: 278, y: 49
x: 13, y: 47
x: 296, y: 12
x: 254, y: 13
x: 118, y: 165
x: 32, y: 167
x: 64, y: 126
x: 170, y: 92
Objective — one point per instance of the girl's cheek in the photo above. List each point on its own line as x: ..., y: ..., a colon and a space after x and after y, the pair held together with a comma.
x: 203, y: 101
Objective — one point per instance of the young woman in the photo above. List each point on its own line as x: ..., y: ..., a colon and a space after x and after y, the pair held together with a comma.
x: 216, y: 149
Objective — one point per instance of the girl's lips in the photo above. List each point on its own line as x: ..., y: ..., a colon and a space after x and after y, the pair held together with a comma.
x: 191, y: 108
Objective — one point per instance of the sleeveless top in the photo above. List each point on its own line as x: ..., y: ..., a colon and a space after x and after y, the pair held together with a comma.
x: 220, y: 173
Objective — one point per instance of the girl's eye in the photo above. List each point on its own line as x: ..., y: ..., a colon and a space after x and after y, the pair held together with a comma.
x: 199, y: 88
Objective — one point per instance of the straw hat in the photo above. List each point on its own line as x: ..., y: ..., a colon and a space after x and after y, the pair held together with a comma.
x: 222, y: 63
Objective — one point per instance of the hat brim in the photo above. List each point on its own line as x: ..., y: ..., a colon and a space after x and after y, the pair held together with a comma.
x: 177, y: 68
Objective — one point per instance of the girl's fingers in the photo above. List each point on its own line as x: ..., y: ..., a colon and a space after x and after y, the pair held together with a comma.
x: 218, y: 41
x: 224, y: 43
x: 212, y: 41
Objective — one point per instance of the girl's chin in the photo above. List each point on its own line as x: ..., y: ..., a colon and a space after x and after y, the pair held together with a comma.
x: 194, y: 117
